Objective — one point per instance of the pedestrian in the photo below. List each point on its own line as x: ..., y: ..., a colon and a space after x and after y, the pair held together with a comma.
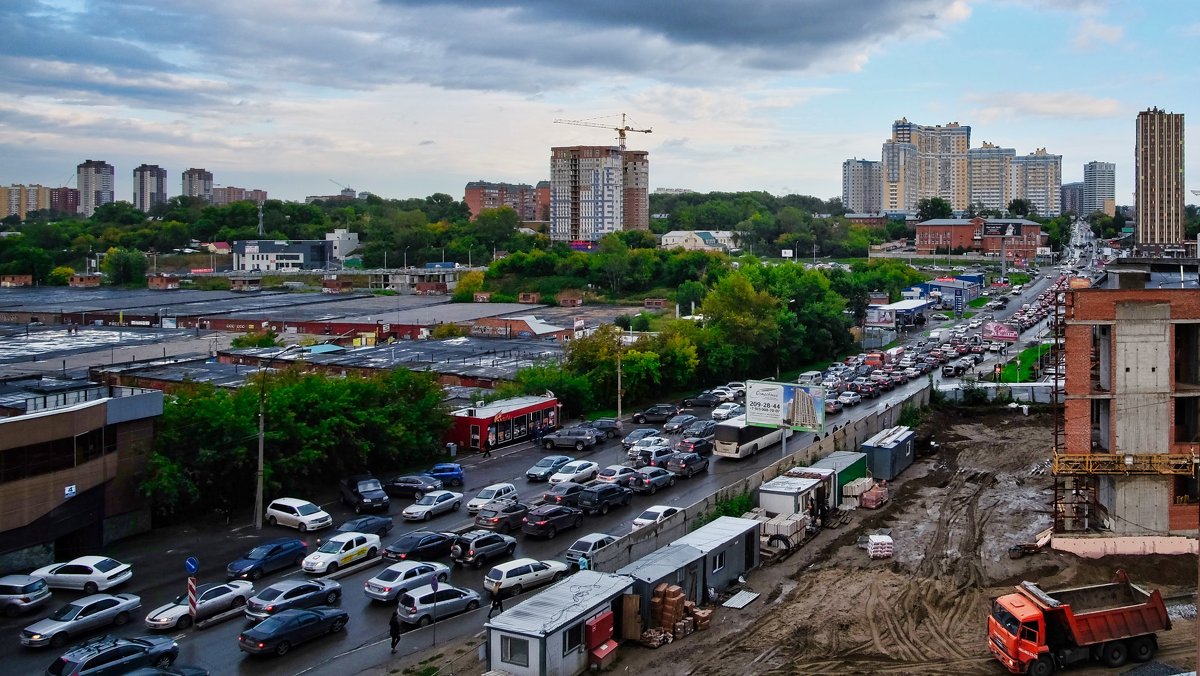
x: 394, y: 628
x: 487, y: 450
x: 497, y: 604
x: 584, y: 564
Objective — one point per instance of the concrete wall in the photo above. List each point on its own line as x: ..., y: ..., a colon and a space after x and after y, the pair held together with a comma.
x: 1034, y: 393
x: 1138, y: 504
x: 848, y: 437
x: 1097, y: 546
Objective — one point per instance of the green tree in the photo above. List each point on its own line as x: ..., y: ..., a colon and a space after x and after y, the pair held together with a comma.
x: 60, y: 276
x: 1021, y: 207
x: 743, y: 314
x: 933, y: 207
x: 689, y: 293
x: 124, y: 266
x: 256, y: 339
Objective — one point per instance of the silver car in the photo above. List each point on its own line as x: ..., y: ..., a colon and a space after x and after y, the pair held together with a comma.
x: 401, y: 577
x: 432, y: 504
x: 424, y: 606
x: 80, y: 617
x: 19, y: 593
x: 211, y: 599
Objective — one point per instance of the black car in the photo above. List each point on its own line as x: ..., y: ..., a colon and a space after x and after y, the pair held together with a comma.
x: 379, y: 525
x: 687, y: 464
x: 599, y: 498
x: 702, y: 428
x: 420, y: 545
x: 637, y: 435
x: 656, y: 413
x: 502, y: 515
x: 609, y: 426
x: 706, y: 399
x: 477, y: 547
x: 114, y: 655
x: 413, y: 486
x: 697, y: 445
x: 279, y: 633
x: 548, y: 520
x: 289, y: 594
x: 679, y: 423
x: 566, y: 493
x: 363, y: 492
x: 266, y: 558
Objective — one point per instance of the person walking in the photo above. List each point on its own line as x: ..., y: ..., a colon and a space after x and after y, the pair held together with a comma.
x: 584, y: 564
x: 394, y: 628
x: 487, y: 450
x: 497, y: 604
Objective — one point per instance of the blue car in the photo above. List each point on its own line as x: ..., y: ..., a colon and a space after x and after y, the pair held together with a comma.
x: 266, y: 558
x: 450, y: 473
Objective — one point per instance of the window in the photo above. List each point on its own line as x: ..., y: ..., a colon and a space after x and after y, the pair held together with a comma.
x: 514, y: 650
x: 719, y: 563
x: 572, y: 639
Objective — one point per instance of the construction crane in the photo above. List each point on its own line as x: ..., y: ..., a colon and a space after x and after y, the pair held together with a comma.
x: 621, y: 130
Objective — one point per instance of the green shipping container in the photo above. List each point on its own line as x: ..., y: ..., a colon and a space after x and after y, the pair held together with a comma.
x: 847, y: 465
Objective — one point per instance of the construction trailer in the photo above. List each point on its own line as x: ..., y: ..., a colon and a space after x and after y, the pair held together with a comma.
x: 730, y: 546
x: 847, y: 466
x: 826, y: 482
x: 674, y: 564
x: 792, y: 495
x: 890, y: 452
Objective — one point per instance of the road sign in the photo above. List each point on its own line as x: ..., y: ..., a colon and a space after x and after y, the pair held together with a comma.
x: 434, y: 584
x: 192, y: 564
x: 192, y: 596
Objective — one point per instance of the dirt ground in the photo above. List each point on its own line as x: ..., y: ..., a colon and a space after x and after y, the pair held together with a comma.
x: 829, y: 609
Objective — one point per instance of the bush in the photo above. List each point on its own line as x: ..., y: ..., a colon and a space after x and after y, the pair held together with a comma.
x: 735, y: 506
x: 640, y: 322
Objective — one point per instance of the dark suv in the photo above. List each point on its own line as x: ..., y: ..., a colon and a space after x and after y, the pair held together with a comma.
x: 112, y: 655
x: 656, y: 413
x: 478, y: 546
x: 502, y: 515
x: 363, y: 492
x: 572, y: 437
x: 599, y: 498
x: 610, y: 427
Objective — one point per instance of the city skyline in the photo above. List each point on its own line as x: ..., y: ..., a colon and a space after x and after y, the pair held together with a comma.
x: 407, y: 99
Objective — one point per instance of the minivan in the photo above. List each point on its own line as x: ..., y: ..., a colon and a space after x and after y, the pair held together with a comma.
x: 809, y: 378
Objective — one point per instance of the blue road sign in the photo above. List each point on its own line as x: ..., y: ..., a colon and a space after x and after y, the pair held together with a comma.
x: 192, y: 564
x: 434, y: 584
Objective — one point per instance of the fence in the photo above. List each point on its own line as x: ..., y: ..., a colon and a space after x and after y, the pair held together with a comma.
x: 635, y: 545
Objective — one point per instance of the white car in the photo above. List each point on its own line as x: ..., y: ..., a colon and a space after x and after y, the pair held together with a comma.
x: 399, y: 578
x: 299, y: 514
x: 653, y: 515
x: 726, y: 411
x: 493, y: 492
x: 432, y: 504
x: 580, y: 471
x: 723, y: 393
x: 89, y: 573
x: 850, y: 398
x: 211, y: 599
x: 511, y: 578
x: 939, y: 316
x: 340, y: 550
x: 738, y: 388
x: 647, y: 444
x: 617, y: 474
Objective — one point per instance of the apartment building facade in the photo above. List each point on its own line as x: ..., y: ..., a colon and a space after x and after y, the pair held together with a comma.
x: 222, y: 196
x: 149, y: 187
x: 198, y: 183
x: 520, y: 197
x: 18, y: 200
x: 1038, y: 180
x: 1099, y: 189
x: 1159, y: 188
x: 587, y: 193
x: 940, y: 155
x: 95, y: 179
x: 990, y: 174
x: 1070, y: 198
x: 862, y: 186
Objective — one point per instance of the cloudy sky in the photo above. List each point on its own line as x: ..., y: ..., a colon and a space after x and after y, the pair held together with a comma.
x: 409, y: 97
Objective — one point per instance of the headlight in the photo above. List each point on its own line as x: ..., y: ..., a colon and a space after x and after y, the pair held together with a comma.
x: 35, y: 637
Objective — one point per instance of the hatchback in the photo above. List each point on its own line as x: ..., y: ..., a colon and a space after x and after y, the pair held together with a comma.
x: 687, y: 464
x: 653, y: 478
x: 548, y: 520
x: 424, y: 606
x: 617, y: 474
x: 512, y: 578
x: 19, y: 593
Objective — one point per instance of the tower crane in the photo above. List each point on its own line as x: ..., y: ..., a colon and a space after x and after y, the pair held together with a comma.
x: 621, y: 130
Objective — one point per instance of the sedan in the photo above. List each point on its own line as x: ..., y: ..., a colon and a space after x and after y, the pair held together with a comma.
x: 279, y: 633
x: 432, y: 504
x: 654, y: 515
x: 637, y: 435
x: 578, y: 472
x: 343, y: 549
x: 548, y: 520
x: 414, y: 486
x: 211, y: 599
x: 687, y: 464
x: 420, y: 545
x: 89, y: 573
x: 652, y: 479
x: 547, y: 466
x: 727, y: 410
x: 398, y: 578
x: 289, y: 594
x: 376, y: 525
x: 566, y: 493
x: 939, y: 316
x: 678, y: 423
x: 267, y: 558
x: 724, y: 393
x: 702, y: 428
x: 833, y: 406
x: 617, y: 474
x: 80, y: 617
x: 705, y: 399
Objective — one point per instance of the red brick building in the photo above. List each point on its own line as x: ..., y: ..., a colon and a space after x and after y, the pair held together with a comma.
x: 1020, y: 237
x: 162, y: 282
x: 522, y: 197
x: 84, y: 280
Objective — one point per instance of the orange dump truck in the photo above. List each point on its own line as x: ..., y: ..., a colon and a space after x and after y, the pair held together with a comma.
x: 1038, y: 632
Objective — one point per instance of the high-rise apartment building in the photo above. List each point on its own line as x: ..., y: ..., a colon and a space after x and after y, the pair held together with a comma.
x: 941, y: 159
x: 588, y: 192
x: 1159, y: 190
x: 95, y: 180
x: 521, y: 197
x: 64, y: 200
x: 542, y: 201
x: 990, y: 174
x: 862, y: 186
x: 899, y: 176
x: 1099, y: 189
x: 198, y: 183
x: 149, y: 187
x: 18, y: 200
x: 1070, y: 198
x: 1038, y: 180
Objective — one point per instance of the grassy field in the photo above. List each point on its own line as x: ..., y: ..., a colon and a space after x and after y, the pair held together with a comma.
x: 1021, y: 369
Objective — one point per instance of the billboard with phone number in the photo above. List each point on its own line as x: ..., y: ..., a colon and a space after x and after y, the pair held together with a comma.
x: 774, y: 404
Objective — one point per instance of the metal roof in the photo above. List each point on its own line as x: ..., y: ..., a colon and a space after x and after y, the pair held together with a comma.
x: 789, y: 484
x: 839, y: 460
x: 889, y: 437
x: 661, y: 562
x: 562, y: 603
x: 717, y: 533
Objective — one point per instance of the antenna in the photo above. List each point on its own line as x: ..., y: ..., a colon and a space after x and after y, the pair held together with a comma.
x: 261, y: 232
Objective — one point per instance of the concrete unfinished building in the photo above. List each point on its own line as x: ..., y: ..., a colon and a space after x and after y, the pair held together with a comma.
x: 1127, y: 461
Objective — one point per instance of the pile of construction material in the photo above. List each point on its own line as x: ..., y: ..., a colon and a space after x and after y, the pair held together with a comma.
x: 857, y: 487
x: 672, y: 616
x: 880, y: 546
x: 875, y: 497
x: 786, y: 525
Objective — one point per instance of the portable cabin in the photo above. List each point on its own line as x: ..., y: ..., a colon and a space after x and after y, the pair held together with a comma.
x: 890, y: 452
x: 790, y: 495
x: 730, y: 546
x: 826, y: 482
x: 847, y: 466
x: 674, y: 564
x: 548, y: 634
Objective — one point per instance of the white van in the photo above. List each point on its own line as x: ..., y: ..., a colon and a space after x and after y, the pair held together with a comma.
x: 810, y: 378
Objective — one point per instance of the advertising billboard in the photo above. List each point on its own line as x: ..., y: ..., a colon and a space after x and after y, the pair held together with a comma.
x: 1001, y: 229
x: 787, y: 253
x: 1005, y: 333
x: 877, y: 316
x: 774, y: 404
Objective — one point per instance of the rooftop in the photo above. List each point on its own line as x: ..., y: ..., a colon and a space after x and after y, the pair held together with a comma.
x: 561, y: 603
x: 717, y: 532
x: 661, y: 562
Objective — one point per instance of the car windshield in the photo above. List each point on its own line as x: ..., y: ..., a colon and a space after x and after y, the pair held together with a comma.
x: 487, y: 493
x: 307, y: 508
x: 106, y: 565
x: 258, y: 553
x: 67, y: 612
x: 330, y: 547
x: 388, y: 575
x: 546, y: 462
x: 608, y: 471
x: 270, y: 594
x: 488, y: 513
x: 571, y: 468
x: 426, y: 500
x: 370, y: 485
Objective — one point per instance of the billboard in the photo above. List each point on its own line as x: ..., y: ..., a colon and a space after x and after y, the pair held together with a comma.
x: 882, y: 317
x: 1043, y: 251
x: 1005, y: 333
x: 1001, y: 229
x: 774, y: 404
x: 787, y: 253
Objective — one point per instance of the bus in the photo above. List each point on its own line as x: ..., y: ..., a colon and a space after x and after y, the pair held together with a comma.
x: 736, y: 439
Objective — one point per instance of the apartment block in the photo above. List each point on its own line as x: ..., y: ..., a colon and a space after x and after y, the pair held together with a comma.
x: 1159, y: 189
x: 64, y: 200
x: 1070, y: 198
x: 941, y: 165
x: 899, y: 175
x: 18, y: 200
x: 1038, y: 179
x: 149, y: 187
x: 990, y: 173
x: 229, y: 194
x: 587, y: 193
x: 862, y: 186
x: 95, y: 181
x: 521, y: 197
x: 1099, y: 189
x: 198, y: 183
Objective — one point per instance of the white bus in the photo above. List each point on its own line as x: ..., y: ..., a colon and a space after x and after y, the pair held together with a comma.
x: 736, y: 439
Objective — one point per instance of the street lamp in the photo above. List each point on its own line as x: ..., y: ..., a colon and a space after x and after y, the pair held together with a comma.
x: 262, y: 398
x: 406, y: 257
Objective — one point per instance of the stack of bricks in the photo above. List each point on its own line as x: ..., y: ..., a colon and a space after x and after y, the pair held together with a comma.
x: 679, y: 617
x: 703, y: 618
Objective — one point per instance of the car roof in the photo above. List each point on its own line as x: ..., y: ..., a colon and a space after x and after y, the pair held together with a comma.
x: 19, y: 579
x: 284, y: 585
x: 405, y: 565
x: 618, y: 467
x: 344, y: 535
x: 93, y: 598
x: 499, y: 485
x: 594, y: 537
x: 428, y: 589
x: 509, y: 565
x: 440, y: 492
x: 294, y: 502
x: 447, y: 465
x: 658, y: 508
x: 89, y: 560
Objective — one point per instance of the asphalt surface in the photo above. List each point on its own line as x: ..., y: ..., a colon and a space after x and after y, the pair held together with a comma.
x: 158, y: 558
